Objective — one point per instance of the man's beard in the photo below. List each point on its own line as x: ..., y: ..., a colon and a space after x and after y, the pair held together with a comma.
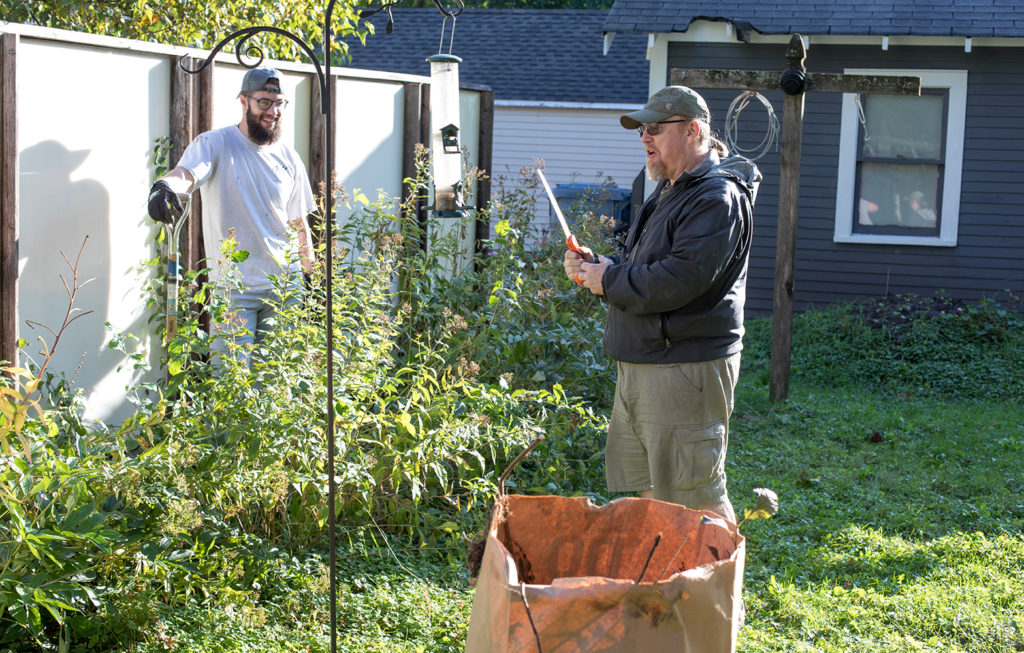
x: 656, y: 171
x: 260, y: 134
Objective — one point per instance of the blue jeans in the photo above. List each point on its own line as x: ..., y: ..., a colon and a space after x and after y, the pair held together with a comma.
x: 247, y: 321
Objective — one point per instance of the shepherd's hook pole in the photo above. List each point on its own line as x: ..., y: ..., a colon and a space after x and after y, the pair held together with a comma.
x: 323, y: 75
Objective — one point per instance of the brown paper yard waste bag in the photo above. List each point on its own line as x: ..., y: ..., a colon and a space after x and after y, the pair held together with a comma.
x: 561, y: 574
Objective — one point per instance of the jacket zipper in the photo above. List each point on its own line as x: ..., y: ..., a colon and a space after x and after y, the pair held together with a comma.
x: 664, y: 330
x: 646, y: 222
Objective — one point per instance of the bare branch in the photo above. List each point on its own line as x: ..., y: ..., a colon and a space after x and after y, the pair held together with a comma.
x: 34, y: 324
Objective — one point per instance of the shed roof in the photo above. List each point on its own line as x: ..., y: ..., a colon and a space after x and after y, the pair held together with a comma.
x: 976, y: 18
x: 548, y: 55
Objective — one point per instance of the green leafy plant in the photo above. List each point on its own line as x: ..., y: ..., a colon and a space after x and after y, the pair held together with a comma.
x: 223, y: 462
x: 55, y: 517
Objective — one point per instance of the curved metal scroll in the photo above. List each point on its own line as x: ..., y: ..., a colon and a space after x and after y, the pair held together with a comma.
x: 245, y: 48
x: 386, y: 7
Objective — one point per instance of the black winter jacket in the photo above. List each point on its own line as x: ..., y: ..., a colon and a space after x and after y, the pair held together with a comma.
x: 676, y: 294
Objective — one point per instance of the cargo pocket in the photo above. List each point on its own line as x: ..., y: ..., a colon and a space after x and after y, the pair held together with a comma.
x: 700, y: 456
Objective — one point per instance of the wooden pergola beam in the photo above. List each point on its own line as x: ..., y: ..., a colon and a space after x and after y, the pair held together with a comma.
x: 768, y: 80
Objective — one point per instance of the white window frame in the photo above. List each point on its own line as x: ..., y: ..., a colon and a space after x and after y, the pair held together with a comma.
x: 955, y: 82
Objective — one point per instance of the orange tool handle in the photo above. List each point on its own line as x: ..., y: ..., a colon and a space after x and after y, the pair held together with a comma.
x: 574, y: 246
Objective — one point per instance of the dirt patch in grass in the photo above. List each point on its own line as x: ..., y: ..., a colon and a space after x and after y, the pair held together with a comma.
x: 897, y: 311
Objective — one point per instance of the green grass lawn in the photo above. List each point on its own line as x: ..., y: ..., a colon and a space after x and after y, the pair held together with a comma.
x: 899, y: 529
x: 899, y: 526
x: 897, y: 462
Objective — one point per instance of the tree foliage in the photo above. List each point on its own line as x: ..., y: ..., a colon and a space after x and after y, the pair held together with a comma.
x: 203, y: 23
x: 532, y: 4
x: 199, y: 24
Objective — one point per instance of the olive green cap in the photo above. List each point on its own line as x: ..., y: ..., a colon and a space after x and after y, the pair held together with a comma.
x: 669, y: 101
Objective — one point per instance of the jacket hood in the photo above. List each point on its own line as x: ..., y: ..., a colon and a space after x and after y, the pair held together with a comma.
x: 738, y: 168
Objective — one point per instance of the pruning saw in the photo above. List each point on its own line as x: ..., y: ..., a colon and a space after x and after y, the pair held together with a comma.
x: 570, y: 239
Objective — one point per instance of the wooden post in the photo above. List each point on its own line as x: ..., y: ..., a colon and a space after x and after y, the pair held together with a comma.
x: 486, y: 160
x: 8, y: 200
x: 318, y: 149
x: 411, y: 137
x: 183, y: 96
x: 182, y: 108
x: 785, y: 245
x: 317, y: 136
x: 203, y: 122
x: 424, y: 199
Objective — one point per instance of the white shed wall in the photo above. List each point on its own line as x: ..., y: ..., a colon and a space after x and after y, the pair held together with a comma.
x: 578, y: 145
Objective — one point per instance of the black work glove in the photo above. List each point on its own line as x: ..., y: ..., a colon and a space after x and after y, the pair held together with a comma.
x: 164, y: 205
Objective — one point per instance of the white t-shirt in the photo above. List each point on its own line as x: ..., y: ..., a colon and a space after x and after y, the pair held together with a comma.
x: 254, y: 190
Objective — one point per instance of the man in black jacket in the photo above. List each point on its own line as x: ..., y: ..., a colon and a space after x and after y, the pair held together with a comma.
x: 675, y: 308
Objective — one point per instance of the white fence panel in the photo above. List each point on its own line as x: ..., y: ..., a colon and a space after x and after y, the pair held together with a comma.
x: 90, y: 110
x: 368, y: 138
x: 85, y: 172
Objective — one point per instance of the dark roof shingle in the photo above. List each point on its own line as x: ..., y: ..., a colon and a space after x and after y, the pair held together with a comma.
x: 977, y: 18
x: 547, y: 55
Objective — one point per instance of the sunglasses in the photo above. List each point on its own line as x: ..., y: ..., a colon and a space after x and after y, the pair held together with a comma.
x: 653, y: 128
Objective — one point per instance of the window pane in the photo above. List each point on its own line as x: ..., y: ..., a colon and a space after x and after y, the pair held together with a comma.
x: 897, y: 196
x: 903, y: 127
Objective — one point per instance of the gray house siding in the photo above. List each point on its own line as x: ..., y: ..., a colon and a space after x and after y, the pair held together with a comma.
x: 988, y: 260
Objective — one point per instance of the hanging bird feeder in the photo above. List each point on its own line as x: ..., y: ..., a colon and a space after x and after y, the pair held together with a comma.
x: 446, y: 152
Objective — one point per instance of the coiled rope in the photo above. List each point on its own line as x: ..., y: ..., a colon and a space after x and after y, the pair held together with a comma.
x: 771, y: 136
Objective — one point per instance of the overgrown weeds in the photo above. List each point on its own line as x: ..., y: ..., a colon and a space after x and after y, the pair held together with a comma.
x: 444, y: 372
x: 199, y: 523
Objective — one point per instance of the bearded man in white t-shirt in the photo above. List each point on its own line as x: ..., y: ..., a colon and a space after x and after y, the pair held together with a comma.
x: 255, y: 189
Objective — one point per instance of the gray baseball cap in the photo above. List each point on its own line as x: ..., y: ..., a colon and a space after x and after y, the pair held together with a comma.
x: 261, y: 79
x: 669, y: 101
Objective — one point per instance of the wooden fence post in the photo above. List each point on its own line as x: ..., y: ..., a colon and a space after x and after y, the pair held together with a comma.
x: 412, y: 135
x: 183, y: 101
x: 318, y: 149
x: 8, y: 200
x: 485, y: 161
x: 202, y: 122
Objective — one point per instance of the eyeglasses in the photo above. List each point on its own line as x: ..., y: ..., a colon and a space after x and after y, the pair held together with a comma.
x: 264, y: 103
x: 653, y: 128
